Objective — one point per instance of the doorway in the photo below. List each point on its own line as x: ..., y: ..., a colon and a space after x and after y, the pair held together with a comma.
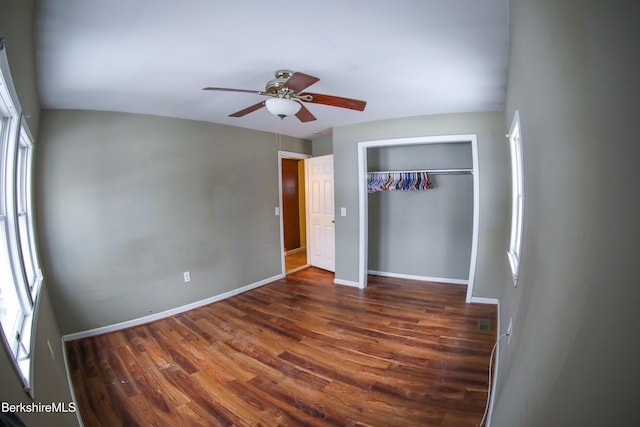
x: 363, y: 225
x: 293, y: 217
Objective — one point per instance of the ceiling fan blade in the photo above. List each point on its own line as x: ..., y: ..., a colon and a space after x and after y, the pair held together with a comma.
x: 226, y: 89
x: 248, y: 110
x: 304, y: 115
x: 299, y: 81
x: 336, y: 101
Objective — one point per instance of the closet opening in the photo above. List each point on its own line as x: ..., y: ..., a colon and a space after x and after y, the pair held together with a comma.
x: 293, y: 223
x: 409, y: 229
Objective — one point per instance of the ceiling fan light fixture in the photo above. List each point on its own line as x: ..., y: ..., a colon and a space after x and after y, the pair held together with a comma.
x: 282, y: 107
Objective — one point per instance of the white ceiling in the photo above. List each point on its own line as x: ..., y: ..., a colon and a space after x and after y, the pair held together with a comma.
x: 404, y: 57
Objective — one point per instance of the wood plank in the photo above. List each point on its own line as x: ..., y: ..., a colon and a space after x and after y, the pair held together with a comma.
x: 298, y: 351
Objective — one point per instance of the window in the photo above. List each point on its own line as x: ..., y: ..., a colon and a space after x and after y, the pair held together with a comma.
x: 20, y: 275
x: 517, y: 197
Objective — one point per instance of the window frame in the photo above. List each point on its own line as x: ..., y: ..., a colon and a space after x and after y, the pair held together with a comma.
x: 18, y: 232
x: 517, y: 198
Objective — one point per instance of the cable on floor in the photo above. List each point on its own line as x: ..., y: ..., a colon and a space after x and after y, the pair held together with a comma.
x: 486, y: 408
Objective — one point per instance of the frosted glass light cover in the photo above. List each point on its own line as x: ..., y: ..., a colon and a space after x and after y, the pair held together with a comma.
x: 282, y: 107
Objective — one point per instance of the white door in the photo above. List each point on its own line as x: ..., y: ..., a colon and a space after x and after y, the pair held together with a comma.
x: 321, y: 220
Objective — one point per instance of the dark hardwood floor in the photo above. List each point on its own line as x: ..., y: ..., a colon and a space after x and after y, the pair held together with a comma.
x: 300, y: 351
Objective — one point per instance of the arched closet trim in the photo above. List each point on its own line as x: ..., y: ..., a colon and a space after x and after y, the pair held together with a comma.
x: 363, y: 229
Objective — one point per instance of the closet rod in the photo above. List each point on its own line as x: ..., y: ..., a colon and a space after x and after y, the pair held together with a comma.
x: 431, y: 171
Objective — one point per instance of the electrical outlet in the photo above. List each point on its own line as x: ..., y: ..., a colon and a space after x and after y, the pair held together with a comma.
x: 509, y: 330
x: 187, y: 277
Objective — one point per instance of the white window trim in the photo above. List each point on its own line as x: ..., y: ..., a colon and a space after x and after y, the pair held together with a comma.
x: 517, y: 198
x: 15, y: 134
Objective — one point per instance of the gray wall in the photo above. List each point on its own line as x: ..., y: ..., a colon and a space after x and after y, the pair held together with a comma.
x: 492, y: 158
x: 573, y: 358
x: 422, y: 232
x: 49, y: 377
x: 16, y: 27
x: 322, y: 145
x: 129, y: 202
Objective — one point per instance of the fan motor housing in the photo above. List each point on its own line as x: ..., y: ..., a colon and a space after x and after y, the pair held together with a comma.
x: 273, y: 87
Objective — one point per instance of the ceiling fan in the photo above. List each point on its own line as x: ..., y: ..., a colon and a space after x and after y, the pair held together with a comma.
x: 286, y: 96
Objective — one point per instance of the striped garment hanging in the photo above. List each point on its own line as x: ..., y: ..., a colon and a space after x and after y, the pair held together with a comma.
x: 398, y: 181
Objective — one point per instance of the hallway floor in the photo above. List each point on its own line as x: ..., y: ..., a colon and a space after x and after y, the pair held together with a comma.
x: 295, y: 260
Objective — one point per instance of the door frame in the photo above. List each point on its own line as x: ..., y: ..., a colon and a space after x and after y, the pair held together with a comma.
x: 287, y: 155
x: 363, y: 211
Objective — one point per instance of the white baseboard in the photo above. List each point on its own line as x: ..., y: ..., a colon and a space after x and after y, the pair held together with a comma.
x: 492, y: 397
x: 70, y: 383
x: 423, y: 278
x: 167, y: 313
x: 482, y: 300
x: 346, y: 283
